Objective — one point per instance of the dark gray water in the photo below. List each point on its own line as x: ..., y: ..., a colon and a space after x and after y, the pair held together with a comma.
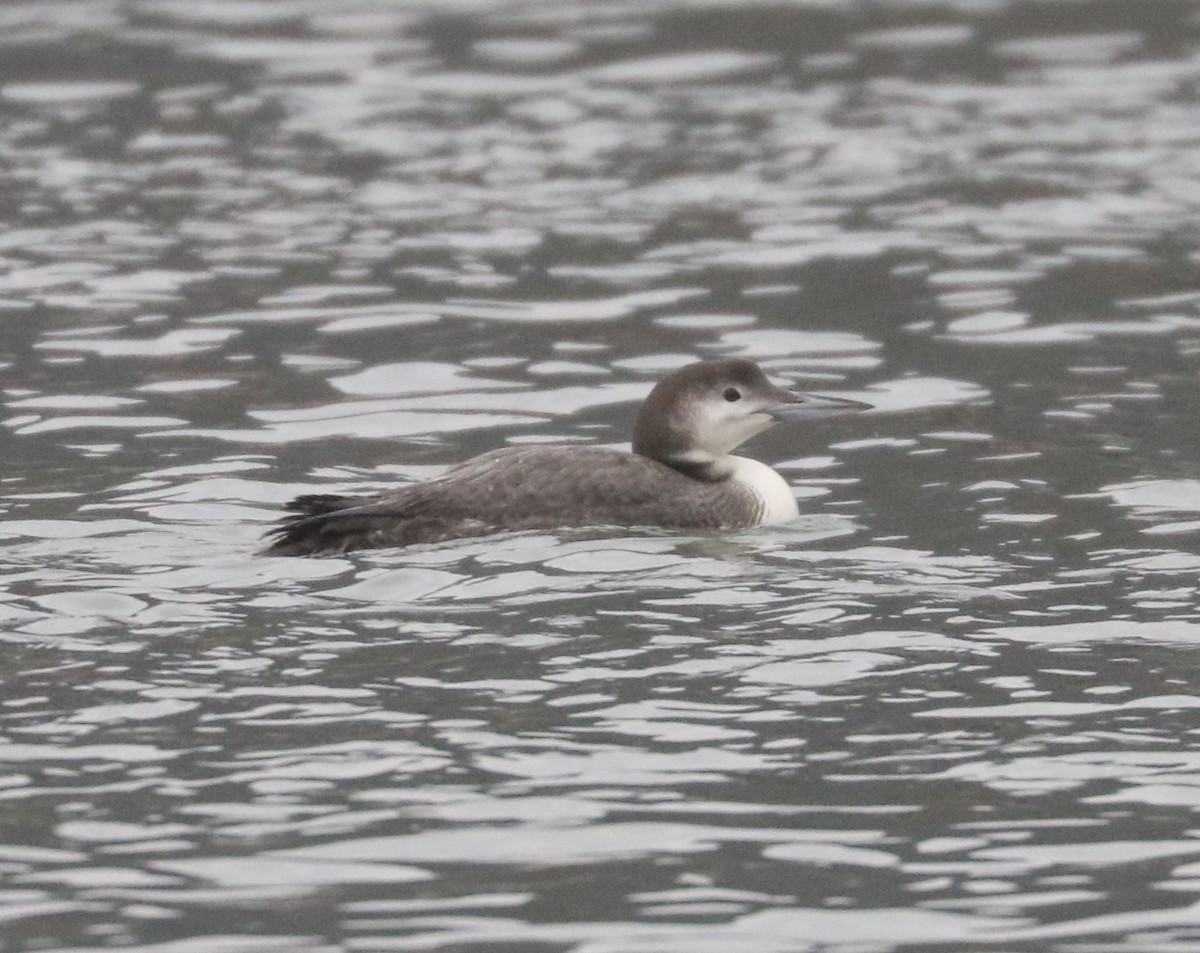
x: 250, y: 249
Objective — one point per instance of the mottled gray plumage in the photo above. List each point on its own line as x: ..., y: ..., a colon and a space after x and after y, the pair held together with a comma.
x: 680, y: 475
x: 537, y: 487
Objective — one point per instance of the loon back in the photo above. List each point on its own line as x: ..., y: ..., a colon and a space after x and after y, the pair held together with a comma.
x: 536, y: 487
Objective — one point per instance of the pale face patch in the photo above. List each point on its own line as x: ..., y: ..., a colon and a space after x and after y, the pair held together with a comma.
x: 720, y: 425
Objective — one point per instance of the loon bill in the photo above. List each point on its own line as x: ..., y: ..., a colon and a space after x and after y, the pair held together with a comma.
x: 680, y: 475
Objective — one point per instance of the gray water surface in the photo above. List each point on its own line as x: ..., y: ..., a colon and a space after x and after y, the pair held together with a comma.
x: 250, y: 250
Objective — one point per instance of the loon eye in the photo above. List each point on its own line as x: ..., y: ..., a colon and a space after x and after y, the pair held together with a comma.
x: 732, y: 394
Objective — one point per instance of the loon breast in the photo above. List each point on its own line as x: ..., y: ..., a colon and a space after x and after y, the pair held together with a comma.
x: 775, y: 498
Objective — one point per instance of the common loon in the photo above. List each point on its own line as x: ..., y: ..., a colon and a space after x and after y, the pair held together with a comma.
x: 680, y: 474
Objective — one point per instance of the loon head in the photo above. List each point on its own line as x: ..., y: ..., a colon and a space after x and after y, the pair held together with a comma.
x: 696, y: 415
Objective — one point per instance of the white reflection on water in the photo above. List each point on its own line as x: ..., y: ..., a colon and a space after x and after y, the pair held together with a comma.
x: 795, y: 930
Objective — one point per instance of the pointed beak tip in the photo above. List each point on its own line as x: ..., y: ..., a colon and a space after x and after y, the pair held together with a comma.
x: 817, y: 405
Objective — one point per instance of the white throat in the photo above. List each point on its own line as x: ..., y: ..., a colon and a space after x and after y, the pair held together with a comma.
x: 775, y: 496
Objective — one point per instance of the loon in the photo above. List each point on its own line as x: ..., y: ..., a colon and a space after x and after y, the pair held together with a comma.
x: 680, y: 475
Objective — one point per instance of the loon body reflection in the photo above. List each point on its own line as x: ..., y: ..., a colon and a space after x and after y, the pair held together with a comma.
x: 680, y: 474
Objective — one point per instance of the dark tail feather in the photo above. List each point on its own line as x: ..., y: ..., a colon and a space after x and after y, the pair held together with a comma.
x: 318, y: 504
x: 315, y: 527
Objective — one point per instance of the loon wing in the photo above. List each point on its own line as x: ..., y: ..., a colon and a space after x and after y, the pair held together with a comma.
x: 547, y: 486
x: 323, y: 525
x: 534, y: 487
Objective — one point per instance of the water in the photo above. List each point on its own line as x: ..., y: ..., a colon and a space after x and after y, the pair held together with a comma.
x: 250, y: 250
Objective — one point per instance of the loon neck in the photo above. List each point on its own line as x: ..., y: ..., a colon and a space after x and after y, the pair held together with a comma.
x: 702, y: 466
x: 773, y: 497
